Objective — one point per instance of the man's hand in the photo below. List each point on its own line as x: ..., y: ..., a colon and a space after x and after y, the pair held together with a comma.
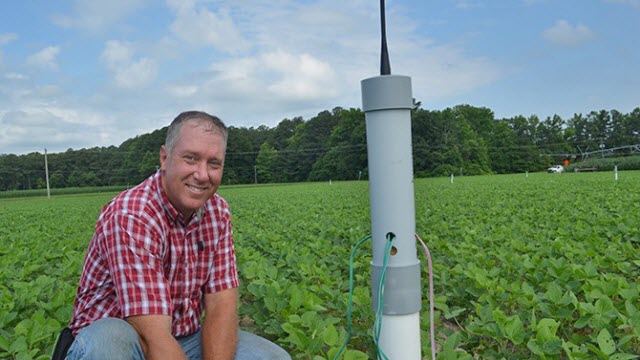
x: 155, y: 336
x: 220, y: 327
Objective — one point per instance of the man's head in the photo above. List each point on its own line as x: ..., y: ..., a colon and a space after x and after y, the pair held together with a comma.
x: 192, y: 160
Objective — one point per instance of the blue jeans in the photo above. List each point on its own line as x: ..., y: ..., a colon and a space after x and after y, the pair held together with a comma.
x: 113, y: 338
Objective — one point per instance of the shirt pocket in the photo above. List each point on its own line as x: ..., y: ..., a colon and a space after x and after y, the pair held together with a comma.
x: 202, y: 265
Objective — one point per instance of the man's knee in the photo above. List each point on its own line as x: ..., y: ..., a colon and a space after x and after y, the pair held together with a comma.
x: 108, y: 338
x: 251, y: 346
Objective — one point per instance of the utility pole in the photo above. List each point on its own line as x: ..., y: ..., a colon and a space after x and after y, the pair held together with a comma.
x: 46, y: 172
x: 387, y: 102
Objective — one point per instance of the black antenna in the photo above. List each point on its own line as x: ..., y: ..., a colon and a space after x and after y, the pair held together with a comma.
x: 385, y: 68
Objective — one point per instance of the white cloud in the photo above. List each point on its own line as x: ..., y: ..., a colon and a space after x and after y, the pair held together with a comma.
x: 564, y: 34
x: 127, y: 72
x: 97, y: 15
x: 203, y: 27
x: 136, y: 74
x: 117, y: 52
x: 182, y: 91
x: 300, y: 76
x: 181, y: 5
x: 45, y: 58
x: 15, y: 76
x: 286, y: 71
x: 279, y: 76
x: 251, y: 62
x: 33, y: 128
x: 6, y: 38
x: 633, y: 3
x: 466, y: 4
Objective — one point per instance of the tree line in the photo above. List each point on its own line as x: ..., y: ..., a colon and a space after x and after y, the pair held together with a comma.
x: 463, y: 140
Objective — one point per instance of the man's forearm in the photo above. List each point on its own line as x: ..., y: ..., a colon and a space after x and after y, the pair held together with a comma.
x: 219, y: 336
x: 164, y: 350
x: 220, y: 326
x: 155, y: 337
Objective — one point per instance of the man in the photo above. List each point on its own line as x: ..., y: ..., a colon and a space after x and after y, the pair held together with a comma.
x: 161, y: 256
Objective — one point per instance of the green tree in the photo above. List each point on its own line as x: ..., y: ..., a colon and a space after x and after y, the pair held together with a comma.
x: 308, y: 144
x: 551, y: 136
x: 599, y: 127
x: 502, y: 149
x: 346, y: 158
x: 527, y: 154
x: 266, y: 163
x: 240, y: 157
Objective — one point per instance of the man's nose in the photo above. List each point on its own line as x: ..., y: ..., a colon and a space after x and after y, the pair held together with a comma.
x: 200, y: 172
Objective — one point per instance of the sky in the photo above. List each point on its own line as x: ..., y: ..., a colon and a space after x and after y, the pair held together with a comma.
x: 80, y: 74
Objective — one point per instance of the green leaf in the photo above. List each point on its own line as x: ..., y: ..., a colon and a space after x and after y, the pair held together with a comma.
x: 514, y: 330
x: 597, y: 351
x: 355, y: 355
x: 535, y: 347
x: 19, y: 345
x: 24, y: 356
x: 527, y: 289
x: 623, y: 357
x: 554, y: 294
x: 318, y: 307
x: 606, y: 343
x: 4, y: 343
x: 552, y: 347
x: 582, y: 322
x: 330, y: 335
x: 295, y: 319
x: 570, y: 349
x: 296, y: 298
x: 331, y: 354
x: 546, y: 330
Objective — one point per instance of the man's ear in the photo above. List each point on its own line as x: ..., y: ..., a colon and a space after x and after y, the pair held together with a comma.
x: 163, y: 156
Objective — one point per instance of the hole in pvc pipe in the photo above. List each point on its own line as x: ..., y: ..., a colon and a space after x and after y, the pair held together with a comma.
x: 390, y: 237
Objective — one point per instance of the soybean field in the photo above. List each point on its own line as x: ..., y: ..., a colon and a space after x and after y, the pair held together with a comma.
x: 537, y: 266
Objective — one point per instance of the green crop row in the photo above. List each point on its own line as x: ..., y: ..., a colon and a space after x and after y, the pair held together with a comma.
x: 60, y: 191
x: 525, y: 266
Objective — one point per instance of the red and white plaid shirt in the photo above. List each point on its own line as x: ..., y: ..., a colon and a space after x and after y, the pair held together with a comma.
x: 145, y: 258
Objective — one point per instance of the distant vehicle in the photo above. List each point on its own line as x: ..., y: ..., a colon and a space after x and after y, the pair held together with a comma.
x: 556, y: 169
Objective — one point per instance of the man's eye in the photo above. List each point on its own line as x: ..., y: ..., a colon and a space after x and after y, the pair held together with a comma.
x: 190, y: 159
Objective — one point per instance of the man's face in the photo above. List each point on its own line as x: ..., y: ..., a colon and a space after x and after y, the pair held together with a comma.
x: 193, y: 170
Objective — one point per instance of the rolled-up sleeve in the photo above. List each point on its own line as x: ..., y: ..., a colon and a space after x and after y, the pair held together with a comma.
x: 224, y: 273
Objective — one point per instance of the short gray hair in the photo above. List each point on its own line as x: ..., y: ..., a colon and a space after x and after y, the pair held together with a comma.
x: 174, y: 129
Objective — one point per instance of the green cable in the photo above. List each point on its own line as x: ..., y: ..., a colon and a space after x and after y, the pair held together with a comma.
x: 383, y: 275
x: 349, y: 306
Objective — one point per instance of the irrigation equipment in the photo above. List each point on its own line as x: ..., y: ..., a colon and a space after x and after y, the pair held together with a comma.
x: 395, y: 270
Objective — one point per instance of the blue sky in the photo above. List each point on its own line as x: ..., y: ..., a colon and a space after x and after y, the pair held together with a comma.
x: 79, y: 74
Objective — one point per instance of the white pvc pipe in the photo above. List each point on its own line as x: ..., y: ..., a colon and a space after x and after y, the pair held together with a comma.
x: 387, y: 103
x: 404, y: 330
